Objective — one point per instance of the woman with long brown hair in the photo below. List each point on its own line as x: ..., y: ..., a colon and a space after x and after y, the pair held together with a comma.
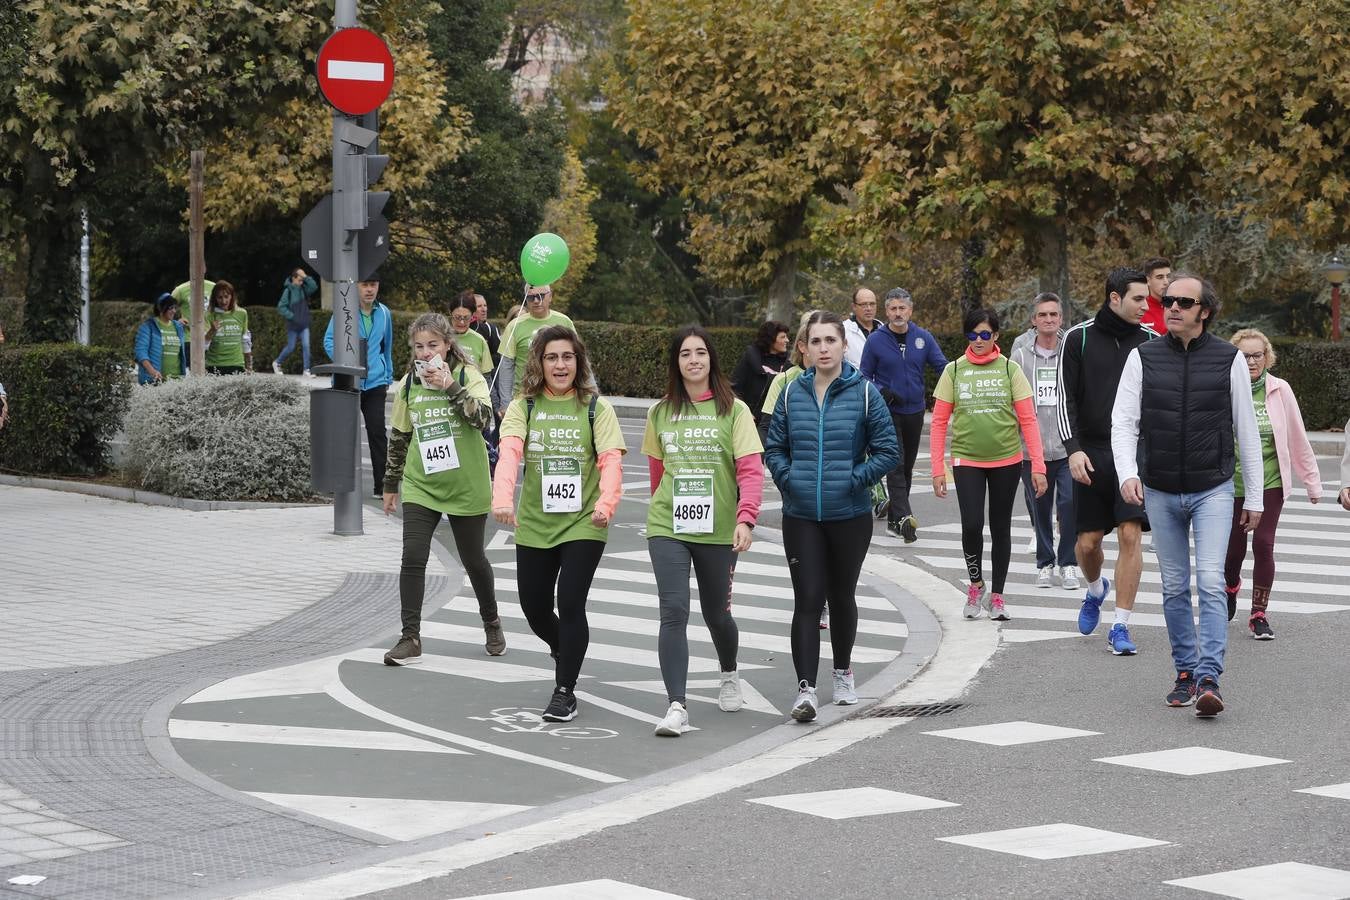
x: 569, y: 439
x: 707, y: 481
x: 227, y: 349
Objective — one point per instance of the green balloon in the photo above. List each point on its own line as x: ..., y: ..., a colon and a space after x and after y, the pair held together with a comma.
x: 544, y: 259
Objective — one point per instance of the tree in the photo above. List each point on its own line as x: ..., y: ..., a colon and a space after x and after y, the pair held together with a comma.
x: 476, y: 212
x: 738, y: 104
x: 1022, y: 124
x: 569, y: 216
x: 104, y: 80
x: 281, y: 162
x: 1282, y: 147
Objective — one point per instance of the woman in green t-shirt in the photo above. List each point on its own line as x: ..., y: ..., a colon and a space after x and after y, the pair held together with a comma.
x: 227, y: 333
x: 462, y: 310
x: 440, y: 408
x: 707, y: 479
x: 987, y: 400
x: 569, y: 439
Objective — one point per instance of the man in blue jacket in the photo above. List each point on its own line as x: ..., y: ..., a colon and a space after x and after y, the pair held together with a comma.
x: 376, y: 353
x: 893, y: 359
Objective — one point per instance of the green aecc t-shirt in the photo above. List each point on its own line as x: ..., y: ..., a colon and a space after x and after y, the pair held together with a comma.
x: 697, y: 497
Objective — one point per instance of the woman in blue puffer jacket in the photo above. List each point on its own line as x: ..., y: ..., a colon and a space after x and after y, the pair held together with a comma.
x: 830, y: 439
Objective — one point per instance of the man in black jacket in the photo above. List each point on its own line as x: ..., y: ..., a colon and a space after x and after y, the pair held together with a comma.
x: 1184, y: 401
x: 1090, y: 363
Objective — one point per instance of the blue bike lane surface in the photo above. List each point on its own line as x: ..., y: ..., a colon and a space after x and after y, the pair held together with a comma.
x: 456, y: 744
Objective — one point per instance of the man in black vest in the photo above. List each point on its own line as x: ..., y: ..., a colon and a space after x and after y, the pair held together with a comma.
x: 1188, y: 398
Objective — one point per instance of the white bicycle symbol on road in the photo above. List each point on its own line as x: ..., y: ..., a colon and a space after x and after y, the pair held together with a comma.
x: 516, y: 720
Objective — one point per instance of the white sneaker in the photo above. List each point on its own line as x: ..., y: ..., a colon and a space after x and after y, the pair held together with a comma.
x: 1045, y: 576
x: 1031, y: 545
x: 729, y: 697
x: 804, y: 710
x: 276, y: 367
x: 844, y: 694
x: 675, y: 722
x: 1068, y: 578
x: 308, y: 374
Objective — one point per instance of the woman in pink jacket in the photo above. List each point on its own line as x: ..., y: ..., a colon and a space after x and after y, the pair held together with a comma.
x: 1285, y: 454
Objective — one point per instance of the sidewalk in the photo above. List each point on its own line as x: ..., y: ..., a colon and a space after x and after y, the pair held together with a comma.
x: 114, y: 610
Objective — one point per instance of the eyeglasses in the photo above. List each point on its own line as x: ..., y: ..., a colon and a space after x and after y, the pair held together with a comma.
x: 1255, y: 357
x: 1183, y: 302
x: 979, y: 335
x: 537, y: 298
x: 461, y: 320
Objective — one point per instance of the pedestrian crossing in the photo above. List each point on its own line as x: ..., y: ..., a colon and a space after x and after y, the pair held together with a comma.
x: 1310, y: 564
x: 465, y: 730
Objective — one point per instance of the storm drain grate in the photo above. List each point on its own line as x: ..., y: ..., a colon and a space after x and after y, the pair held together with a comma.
x: 915, y: 710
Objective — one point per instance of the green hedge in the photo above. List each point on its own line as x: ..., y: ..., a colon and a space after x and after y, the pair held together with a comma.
x: 1319, y: 373
x: 65, y: 405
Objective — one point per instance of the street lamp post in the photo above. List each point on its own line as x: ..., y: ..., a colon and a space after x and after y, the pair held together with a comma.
x: 1335, y: 272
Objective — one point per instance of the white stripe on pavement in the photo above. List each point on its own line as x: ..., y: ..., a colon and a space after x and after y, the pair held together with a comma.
x: 297, y: 736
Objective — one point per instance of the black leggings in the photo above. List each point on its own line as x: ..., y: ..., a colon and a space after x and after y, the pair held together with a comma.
x: 824, y: 559
x: 568, y: 568
x: 1000, y: 483
x: 377, y: 437
x: 419, y: 524
x: 909, y: 431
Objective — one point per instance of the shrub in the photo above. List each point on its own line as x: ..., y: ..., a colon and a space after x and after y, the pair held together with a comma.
x: 65, y: 404
x: 1319, y: 373
x: 11, y: 317
x: 237, y: 437
x: 630, y: 360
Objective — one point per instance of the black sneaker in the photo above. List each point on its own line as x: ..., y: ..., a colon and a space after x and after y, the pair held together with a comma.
x: 1183, y: 693
x: 909, y: 529
x: 406, y: 652
x: 1232, y: 594
x: 893, y: 526
x: 1208, y: 703
x: 563, y: 706
x: 1260, y: 628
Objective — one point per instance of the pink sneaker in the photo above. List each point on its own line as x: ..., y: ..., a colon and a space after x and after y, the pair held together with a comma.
x: 975, y: 595
x: 997, y: 611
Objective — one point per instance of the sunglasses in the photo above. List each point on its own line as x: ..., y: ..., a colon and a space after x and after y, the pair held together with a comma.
x: 979, y: 335
x: 536, y: 298
x: 1183, y: 302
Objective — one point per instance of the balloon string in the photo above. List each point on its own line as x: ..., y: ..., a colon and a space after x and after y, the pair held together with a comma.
x: 497, y: 371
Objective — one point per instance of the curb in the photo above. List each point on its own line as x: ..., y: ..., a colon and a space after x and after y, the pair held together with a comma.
x: 148, y: 498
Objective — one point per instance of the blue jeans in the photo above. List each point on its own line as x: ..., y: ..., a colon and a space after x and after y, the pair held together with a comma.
x: 1210, y: 515
x: 1057, y: 501
x: 290, y: 345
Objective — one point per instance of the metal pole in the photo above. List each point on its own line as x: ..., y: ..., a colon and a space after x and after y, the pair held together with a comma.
x: 197, y: 263
x: 84, y: 276
x: 346, y: 302
x: 1335, y: 312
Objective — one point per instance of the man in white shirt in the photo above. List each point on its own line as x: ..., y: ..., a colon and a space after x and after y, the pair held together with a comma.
x: 859, y: 326
x: 1182, y: 404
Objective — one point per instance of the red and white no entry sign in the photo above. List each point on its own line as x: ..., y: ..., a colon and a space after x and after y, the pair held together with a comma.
x: 356, y: 71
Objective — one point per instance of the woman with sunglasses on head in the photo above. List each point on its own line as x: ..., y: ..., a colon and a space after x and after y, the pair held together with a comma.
x: 1286, y: 453
x: 516, y: 338
x: 440, y: 406
x: 985, y: 400
x: 830, y: 439
x: 569, y: 439
x: 707, y: 481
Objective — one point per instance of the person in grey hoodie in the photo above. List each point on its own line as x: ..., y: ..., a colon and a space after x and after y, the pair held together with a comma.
x: 1037, y: 353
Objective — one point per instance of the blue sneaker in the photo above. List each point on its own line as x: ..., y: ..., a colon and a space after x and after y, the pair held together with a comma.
x: 1119, y: 640
x: 1091, y: 613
